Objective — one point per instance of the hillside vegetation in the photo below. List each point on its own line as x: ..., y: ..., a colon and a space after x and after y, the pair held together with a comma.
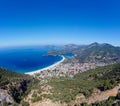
x: 9, y: 76
x: 60, y: 89
x: 17, y: 85
x: 66, y: 89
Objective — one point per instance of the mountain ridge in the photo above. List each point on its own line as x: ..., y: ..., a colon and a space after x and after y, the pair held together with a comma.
x: 94, y: 52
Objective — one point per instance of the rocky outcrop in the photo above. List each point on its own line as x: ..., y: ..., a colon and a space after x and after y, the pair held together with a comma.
x: 5, y: 97
x: 96, y: 96
x: 103, y: 95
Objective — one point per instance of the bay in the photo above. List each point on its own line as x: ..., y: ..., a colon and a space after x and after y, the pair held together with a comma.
x: 26, y: 59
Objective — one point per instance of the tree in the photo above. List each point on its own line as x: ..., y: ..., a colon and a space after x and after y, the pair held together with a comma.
x: 110, y: 102
x: 118, y: 96
x: 24, y: 103
x: 84, y: 104
x: 107, y: 84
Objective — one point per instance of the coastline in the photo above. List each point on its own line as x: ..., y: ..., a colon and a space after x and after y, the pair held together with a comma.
x: 46, y: 68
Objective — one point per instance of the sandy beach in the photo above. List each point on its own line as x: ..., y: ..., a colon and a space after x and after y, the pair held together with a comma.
x: 47, y: 68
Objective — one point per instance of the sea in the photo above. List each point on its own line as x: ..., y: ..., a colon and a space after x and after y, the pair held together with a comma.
x: 69, y: 55
x: 26, y: 59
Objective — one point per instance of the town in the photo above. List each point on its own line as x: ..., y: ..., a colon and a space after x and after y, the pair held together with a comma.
x: 68, y: 68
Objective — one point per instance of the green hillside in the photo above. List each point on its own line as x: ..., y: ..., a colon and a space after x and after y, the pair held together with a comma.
x: 66, y: 89
x: 62, y: 89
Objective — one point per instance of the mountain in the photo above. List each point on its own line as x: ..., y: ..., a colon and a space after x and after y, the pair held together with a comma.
x: 96, y: 52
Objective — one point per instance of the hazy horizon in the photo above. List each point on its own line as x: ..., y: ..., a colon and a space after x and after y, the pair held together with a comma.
x: 59, y: 45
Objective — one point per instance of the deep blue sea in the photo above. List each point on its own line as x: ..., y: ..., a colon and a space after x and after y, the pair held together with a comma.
x: 26, y: 59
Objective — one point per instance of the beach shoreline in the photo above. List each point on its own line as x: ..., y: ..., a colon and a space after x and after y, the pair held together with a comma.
x: 46, y: 68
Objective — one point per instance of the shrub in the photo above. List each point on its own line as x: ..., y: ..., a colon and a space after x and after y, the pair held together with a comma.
x: 24, y: 103
x: 84, y: 104
x: 118, y: 96
x: 5, y: 104
x: 36, y: 99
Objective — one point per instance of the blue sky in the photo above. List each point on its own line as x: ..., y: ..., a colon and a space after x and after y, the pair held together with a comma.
x: 36, y: 22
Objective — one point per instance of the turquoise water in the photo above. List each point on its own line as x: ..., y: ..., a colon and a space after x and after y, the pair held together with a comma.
x: 26, y: 59
x: 69, y: 55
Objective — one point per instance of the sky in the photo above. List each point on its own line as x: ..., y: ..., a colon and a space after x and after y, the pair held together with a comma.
x: 40, y: 22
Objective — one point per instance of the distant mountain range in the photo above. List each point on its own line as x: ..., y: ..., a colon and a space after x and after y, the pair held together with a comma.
x: 94, y: 52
